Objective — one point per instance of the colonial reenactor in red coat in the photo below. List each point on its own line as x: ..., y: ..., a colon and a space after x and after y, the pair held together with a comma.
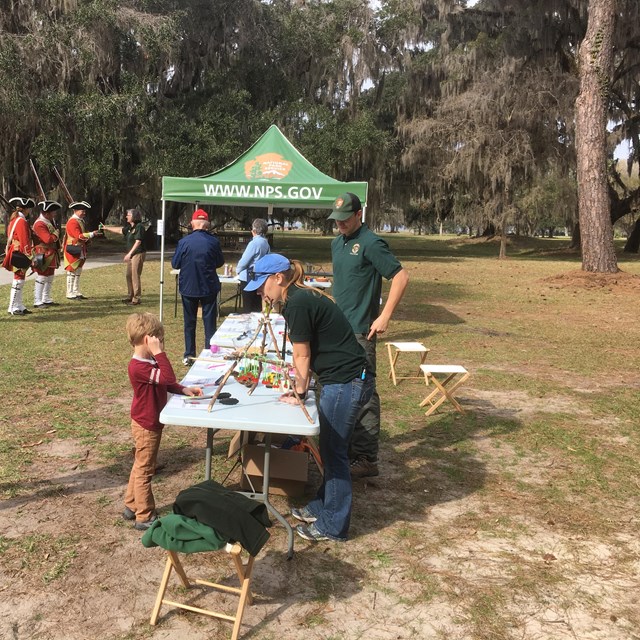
x: 19, y: 252
x: 75, y: 248
x: 46, y: 238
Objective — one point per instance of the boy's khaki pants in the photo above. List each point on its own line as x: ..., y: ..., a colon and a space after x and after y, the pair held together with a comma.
x: 139, y: 497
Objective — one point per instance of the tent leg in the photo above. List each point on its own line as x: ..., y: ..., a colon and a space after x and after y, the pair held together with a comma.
x: 161, y: 233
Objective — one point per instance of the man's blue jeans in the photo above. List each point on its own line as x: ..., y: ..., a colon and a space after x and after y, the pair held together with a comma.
x: 340, y: 405
x: 190, y: 312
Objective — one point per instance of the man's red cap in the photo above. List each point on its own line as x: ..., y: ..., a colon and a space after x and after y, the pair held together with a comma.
x: 200, y: 214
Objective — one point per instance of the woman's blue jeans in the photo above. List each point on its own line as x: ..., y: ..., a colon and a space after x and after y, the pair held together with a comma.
x: 340, y: 405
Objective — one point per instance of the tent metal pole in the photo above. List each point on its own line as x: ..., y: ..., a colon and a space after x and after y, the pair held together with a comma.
x: 162, y: 261
x: 270, y: 218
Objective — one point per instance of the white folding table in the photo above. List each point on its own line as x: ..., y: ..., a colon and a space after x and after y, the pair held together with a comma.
x: 260, y: 412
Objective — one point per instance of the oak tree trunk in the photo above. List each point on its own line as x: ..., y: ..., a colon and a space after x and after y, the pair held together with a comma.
x: 503, y: 244
x: 595, y: 62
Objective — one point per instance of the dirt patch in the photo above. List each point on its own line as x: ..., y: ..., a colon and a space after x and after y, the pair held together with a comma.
x: 512, y: 404
x: 619, y: 282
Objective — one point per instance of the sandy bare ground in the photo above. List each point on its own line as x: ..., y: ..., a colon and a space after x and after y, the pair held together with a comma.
x: 395, y: 579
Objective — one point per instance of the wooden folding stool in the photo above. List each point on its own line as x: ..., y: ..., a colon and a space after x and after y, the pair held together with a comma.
x: 244, y: 575
x: 404, y: 347
x: 444, y: 389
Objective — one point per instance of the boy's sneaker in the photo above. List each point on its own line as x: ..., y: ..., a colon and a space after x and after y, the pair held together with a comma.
x: 362, y: 468
x: 145, y: 524
x: 127, y: 514
x: 186, y: 362
x: 303, y: 514
x: 310, y: 532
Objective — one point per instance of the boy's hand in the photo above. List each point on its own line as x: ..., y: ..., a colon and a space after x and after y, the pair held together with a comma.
x: 154, y: 345
x: 192, y: 391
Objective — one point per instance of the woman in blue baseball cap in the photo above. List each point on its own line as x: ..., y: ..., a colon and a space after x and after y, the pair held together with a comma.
x: 323, y: 343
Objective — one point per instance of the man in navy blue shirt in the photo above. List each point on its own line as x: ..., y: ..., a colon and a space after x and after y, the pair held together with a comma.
x: 198, y: 255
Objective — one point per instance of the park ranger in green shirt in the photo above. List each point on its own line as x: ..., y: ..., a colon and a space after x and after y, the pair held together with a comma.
x: 360, y: 260
x: 134, y: 234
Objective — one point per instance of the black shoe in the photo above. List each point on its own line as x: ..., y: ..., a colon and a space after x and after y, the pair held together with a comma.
x: 26, y: 312
x: 38, y: 306
x: 80, y: 297
x: 17, y: 312
x: 132, y: 303
x: 50, y: 304
x: 125, y: 300
x: 128, y: 514
x: 144, y: 525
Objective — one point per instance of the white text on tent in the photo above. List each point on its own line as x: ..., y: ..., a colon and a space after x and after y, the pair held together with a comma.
x: 262, y: 191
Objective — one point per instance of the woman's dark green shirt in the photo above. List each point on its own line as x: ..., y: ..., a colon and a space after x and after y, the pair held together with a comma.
x: 133, y: 233
x: 336, y: 356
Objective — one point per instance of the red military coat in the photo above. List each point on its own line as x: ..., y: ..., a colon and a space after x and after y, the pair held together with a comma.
x: 19, y: 239
x: 76, y: 236
x: 46, y: 242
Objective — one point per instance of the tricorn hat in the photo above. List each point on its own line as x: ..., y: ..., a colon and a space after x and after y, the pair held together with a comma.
x: 49, y: 205
x: 24, y: 203
x: 81, y: 204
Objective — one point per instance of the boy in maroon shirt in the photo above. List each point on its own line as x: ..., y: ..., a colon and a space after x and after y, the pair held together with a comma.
x: 151, y: 377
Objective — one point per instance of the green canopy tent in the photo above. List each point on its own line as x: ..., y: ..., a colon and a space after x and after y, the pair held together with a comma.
x: 272, y: 173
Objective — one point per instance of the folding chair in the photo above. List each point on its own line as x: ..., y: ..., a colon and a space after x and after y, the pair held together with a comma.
x: 244, y: 575
x: 444, y: 389
x: 404, y: 347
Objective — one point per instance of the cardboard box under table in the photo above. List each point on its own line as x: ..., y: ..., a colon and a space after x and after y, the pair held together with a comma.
x: 260, y: 412
x: 288, y: 471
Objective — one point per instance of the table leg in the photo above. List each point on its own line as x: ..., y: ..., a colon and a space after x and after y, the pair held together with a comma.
x: 265, y: 490
x: 208, y: 454
x: 264, y: 496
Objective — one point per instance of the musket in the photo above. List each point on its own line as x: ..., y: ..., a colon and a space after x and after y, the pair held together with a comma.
x: 63, y: 186
x: 70, y: 198
x: 43, y: 198
x: 39, y: 188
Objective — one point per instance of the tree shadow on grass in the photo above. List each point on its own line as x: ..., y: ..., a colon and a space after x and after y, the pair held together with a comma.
x: 426, y: 466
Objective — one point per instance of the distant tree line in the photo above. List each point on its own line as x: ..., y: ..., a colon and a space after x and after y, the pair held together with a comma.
x: 503, y: 115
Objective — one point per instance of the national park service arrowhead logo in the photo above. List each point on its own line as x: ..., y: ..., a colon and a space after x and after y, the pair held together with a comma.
x: 268, y: 165
x: 338, y: 203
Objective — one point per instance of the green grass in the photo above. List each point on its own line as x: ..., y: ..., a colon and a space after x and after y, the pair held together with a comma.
x: 544, y: 460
